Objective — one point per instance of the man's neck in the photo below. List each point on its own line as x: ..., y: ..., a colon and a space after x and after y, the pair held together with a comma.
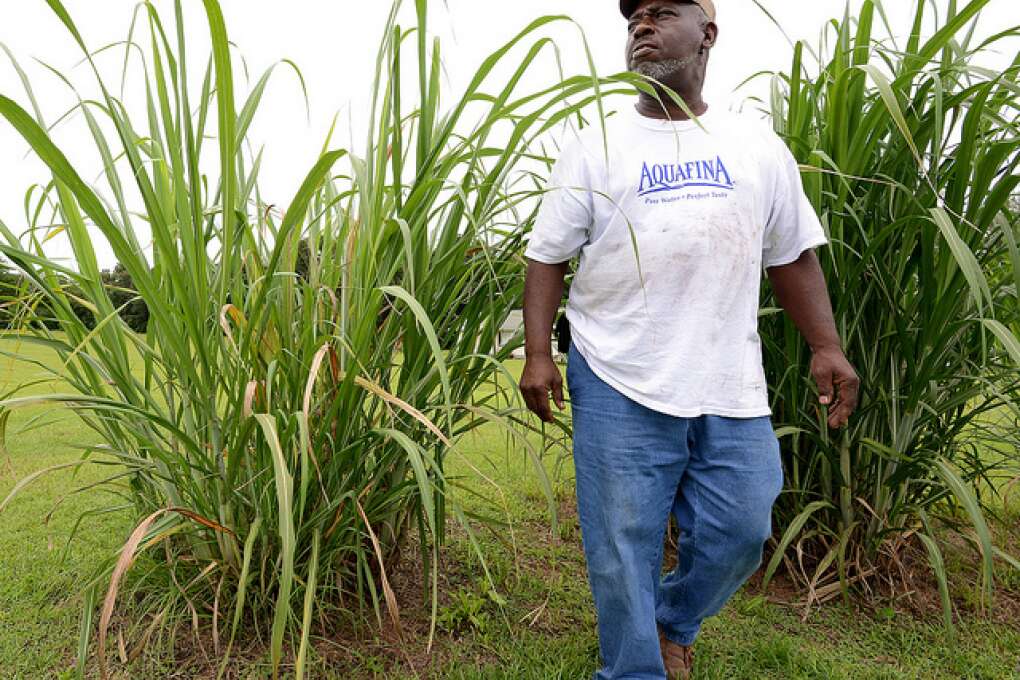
x: 667, y: 109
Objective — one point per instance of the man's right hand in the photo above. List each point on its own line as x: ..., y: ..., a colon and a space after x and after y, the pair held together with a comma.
x: 543, y: 291
x: 540, y: 377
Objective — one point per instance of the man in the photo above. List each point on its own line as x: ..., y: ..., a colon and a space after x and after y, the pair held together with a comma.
x: 673, y: 224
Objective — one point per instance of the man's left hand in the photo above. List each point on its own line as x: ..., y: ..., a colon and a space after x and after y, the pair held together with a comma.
x: 838, y: 384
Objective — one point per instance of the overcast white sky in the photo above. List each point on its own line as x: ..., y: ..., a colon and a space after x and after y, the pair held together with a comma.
x: 334, y: 43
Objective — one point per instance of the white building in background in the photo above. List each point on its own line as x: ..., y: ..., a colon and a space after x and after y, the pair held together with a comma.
x: 515, y: 322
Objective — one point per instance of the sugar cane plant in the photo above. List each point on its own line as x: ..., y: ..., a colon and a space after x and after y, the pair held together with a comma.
x: 285, y: 421
x: 283, y: 425
x: 910, y: 154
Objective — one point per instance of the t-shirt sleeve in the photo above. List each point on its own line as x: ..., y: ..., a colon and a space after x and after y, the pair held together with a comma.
x: 564, y: 217
x: 792, y: 225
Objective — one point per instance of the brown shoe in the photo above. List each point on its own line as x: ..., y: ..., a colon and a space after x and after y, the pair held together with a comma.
x: 678, y: 659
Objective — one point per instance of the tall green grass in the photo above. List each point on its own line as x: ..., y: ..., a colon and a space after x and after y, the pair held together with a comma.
x: 281, y: 430
x: 910, y: 155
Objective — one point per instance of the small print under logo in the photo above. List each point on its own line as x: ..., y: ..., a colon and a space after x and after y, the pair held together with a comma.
x: 659, y: 177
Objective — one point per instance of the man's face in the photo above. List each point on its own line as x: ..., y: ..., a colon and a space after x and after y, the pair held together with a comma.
x: 664, y: 36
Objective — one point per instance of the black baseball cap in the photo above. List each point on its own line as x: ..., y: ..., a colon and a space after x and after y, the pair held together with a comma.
x: 627, y: 7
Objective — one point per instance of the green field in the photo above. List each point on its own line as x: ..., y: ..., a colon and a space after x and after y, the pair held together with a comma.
x: 545, y: 630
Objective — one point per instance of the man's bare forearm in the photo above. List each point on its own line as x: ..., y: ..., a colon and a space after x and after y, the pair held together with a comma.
x: 543, y: 290
x: 800, y: 290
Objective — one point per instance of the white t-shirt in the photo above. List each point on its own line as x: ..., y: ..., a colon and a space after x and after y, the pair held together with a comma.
x: 708, y: 209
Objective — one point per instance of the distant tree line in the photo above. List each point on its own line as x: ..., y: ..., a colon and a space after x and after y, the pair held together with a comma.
x: 20, y: 302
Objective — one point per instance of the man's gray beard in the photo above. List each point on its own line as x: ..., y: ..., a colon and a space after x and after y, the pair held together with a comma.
x: 661, y: 70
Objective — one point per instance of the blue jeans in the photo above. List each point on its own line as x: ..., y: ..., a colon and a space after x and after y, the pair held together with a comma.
x: 719, y: 476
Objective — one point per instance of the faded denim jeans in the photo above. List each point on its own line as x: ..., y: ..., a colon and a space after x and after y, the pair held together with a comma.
x: 719, y: 476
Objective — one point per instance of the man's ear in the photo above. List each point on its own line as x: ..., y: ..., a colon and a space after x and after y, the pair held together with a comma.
x: 711, y: 35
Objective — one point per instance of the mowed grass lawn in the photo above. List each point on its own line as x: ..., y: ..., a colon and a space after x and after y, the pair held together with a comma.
x: 545, y: 629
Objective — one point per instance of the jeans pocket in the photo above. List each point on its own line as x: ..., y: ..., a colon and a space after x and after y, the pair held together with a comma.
x: 777, y: 458
x: 572, y: 359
